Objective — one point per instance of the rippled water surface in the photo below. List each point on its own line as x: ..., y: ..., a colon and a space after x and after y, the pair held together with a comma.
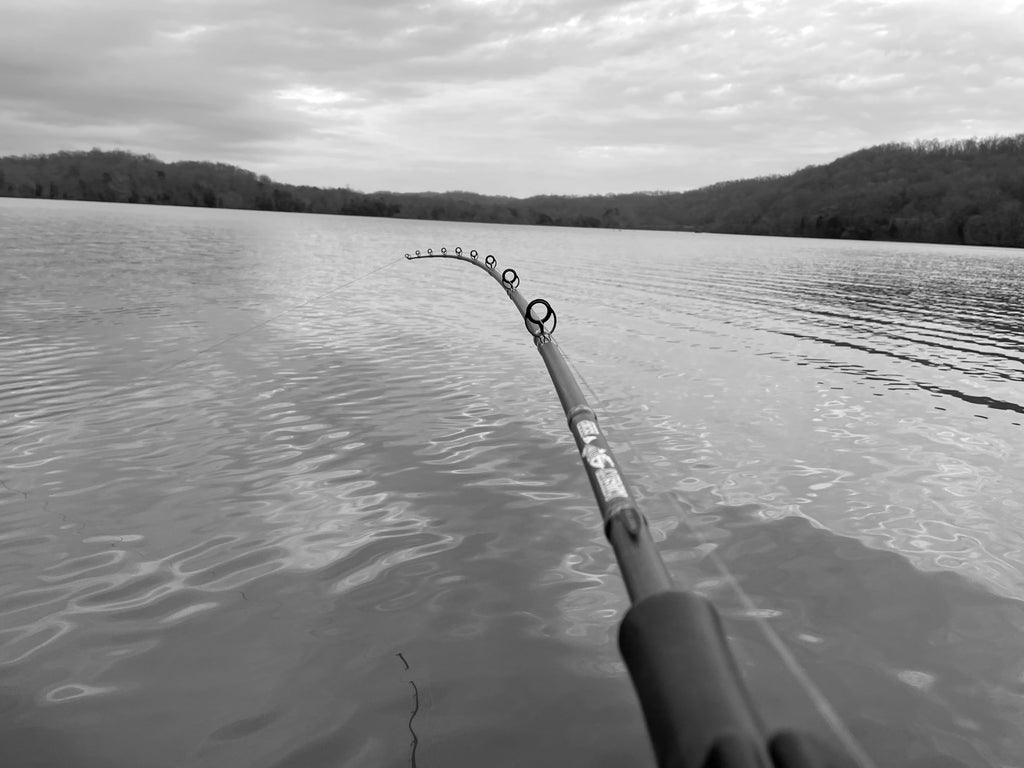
x: 274, y: 496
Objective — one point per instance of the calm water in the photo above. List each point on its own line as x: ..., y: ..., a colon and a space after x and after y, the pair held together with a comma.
x: 274, y: 496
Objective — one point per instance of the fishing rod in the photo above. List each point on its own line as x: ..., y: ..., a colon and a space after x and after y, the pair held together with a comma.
x: 698, y: 711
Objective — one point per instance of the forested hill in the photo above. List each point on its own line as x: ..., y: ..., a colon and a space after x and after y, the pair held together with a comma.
x: 969, y: 192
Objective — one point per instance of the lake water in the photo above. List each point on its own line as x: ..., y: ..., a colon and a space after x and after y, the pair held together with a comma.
x: 273, y: 495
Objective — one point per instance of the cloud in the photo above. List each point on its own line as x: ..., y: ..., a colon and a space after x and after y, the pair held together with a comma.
x: 504, y: 96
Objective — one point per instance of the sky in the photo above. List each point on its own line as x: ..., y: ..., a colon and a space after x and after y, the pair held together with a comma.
x: 511, y: 97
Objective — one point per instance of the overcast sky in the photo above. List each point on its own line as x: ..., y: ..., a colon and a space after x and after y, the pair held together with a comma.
x: 506, y: 97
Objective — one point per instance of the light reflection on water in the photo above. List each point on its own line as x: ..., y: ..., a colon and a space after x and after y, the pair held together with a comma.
x: 236, y: 484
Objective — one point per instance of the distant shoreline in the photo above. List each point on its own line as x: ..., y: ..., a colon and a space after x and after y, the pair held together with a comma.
x: 968, y: 192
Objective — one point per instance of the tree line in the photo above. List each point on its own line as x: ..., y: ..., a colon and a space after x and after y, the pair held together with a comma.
x: 965, y: 192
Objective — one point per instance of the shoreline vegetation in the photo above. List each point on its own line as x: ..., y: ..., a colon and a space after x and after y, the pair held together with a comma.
x: 968, y: 192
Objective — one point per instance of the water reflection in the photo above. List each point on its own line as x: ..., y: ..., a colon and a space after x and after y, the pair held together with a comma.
x: 233, y: 492
x: 924, y: 646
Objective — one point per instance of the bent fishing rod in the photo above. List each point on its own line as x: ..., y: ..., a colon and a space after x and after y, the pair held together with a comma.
x: 698, y: 711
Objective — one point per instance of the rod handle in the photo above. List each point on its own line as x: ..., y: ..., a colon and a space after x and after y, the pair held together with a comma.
x: 697, y: 710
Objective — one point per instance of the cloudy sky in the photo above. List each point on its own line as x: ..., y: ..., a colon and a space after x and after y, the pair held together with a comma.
x: 506, y: 96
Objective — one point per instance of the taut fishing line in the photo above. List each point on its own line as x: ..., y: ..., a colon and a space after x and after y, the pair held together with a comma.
x: 272, y: 318
x: 231, y: 337
x: 803, y: 679
x: 647, y: 601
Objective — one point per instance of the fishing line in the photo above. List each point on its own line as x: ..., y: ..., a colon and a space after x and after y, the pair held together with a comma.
x: 803, y: 679
x: 655, y: 602
x: 412, y: 715
x: 231, y: 337
x: 817, y: 698
x: 272, y: 318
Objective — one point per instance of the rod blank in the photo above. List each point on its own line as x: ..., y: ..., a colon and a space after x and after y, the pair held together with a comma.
x: 698, y: 711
